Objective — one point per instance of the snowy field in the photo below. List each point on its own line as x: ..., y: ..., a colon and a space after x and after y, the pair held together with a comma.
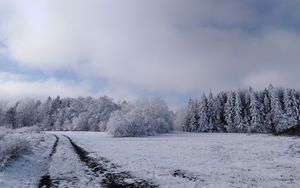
x: 94, y: 159
x: 201, y: 160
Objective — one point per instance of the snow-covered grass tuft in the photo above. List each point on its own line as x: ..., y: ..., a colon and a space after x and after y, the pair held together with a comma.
x: 12, y: 147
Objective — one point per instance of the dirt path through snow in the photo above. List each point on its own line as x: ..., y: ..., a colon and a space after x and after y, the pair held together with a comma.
x: 71, y: 166
x: 45, y: 181
x: 110, y: 173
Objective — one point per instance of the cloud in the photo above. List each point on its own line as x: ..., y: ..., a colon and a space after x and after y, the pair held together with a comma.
x: 17, y: 86
x: 119, y: 93
x: 168, y: 45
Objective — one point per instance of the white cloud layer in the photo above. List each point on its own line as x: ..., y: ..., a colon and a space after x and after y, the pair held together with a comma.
x: 16, y: 86
x: 159, y: 45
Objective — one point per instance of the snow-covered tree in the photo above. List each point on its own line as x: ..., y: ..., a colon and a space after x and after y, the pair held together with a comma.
x: 193, y: 123
x: 25, y: 113
x: 255, y: 114
x: 219, y: 104
x: 80, y: 123
x: 3, y: 110
x: 291, y: 107
x: 158, y: 118
x: 203, y: 121
x: 180, y: 118
x: 211, y: 113
x: 189, y: 111
x: 278, y: 118
x: 229, y: 112
x: 11, y: 116
x: 296, y: 105
x: 238, y: 115
x: 148, y: 116
x: 267, y: 120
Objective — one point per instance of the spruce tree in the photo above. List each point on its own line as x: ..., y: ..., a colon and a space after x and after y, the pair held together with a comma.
x: 290, y: 107
x: 211, y: 113
x: 255, y: 114
x: 238, y: 115
x: 203, y: 121
x: 193, y: 124
x: 278, y: 119
x: 229, y: 112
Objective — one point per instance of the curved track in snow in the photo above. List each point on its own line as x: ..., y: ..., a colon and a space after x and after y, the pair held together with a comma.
x: 71, y: 166
x: 111, y: 177
x: 45, y: 180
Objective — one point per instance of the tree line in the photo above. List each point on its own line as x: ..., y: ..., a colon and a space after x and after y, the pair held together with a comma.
x: 146, y: 116
x: 61, y: 114
x: 270, y: 110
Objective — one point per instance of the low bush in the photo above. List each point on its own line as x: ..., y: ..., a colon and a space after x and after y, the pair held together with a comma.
x: 12, y: 147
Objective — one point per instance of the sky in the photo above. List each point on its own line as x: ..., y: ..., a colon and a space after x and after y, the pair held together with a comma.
x: 174, y: 49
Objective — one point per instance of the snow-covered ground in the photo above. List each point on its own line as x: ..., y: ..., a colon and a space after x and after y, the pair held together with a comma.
x: 66, y: 169
x: 3, y: 130
x: 201, y: 160
x: 56, y: 161
x: 93, y: 159
x: 26, y: 170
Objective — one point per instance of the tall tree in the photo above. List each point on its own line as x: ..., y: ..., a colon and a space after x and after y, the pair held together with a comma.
x: 229, y: 112
x: 238, y: 115
x: 11, y: 116
x: 255, y: 114
x: 193, y: 124
x: 188, y: 117
x: 278, y: 118
x: 291, y: 107
x: 203, y: 115
x: 211, y: 113
x: 267, y: 111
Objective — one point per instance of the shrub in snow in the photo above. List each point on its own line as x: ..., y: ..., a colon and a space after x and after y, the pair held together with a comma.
x: 12, y: 147
x: 148, y: 116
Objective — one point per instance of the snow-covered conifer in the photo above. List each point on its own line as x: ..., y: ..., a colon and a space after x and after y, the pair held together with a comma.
x: 255, y: 114
x: 229, y: 112
x: 203, y: 121
x: 238, y: 115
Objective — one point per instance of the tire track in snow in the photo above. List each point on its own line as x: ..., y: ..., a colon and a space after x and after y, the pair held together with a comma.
x: 45, y: 181
x: 108, y: 171
x: 183, y: 174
